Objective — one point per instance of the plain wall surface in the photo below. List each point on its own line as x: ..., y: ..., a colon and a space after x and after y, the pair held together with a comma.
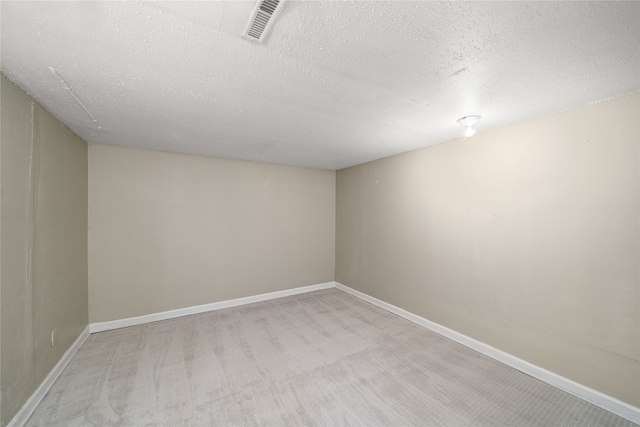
x: 168, y: 231
x: 525, y: 238
x: 43, y: 218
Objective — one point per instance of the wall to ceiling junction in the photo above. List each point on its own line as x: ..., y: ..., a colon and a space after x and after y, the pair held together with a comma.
x: 525, y: 238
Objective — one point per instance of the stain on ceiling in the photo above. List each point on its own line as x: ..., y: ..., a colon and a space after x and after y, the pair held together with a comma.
x: 335, y: 84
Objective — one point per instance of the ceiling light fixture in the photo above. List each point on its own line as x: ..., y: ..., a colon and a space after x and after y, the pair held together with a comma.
x: 469, y: 122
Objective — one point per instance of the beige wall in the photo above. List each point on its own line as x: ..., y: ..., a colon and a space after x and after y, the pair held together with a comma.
x: 168, y: 231
x: 44, y: 244
x: 525, y: 238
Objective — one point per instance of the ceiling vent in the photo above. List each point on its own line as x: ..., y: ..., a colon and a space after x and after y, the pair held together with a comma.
x: 262, y: 19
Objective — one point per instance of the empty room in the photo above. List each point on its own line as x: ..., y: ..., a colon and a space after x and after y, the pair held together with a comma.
x: 319, y: 213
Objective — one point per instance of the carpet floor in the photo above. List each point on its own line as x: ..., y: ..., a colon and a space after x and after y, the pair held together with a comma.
x: 323, y: 358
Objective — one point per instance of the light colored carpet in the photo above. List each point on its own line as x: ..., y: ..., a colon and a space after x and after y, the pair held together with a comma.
x: 322, y: 358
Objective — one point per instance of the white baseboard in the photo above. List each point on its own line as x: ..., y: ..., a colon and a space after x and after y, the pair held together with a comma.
x: 32, y: 403
x: 602, y: 400
x: 149, y: 318
x: 23, y: 415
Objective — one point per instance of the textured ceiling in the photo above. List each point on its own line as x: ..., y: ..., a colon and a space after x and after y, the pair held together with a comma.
x: 336, y: 83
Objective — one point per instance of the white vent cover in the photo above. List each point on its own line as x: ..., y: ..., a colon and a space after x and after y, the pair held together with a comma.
x: 262, y: 19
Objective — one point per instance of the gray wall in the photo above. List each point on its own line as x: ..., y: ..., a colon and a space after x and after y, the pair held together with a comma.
x: 43, y: 223
x: 525, y: 238
x: 168, y: 231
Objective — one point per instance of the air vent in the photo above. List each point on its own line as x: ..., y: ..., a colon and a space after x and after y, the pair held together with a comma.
x: 262, y: 19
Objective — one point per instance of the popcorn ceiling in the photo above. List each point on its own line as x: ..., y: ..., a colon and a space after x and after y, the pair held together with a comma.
x: 336, y: 83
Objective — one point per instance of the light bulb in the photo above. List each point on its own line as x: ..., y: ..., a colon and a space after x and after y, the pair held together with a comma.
x: 470, y: 131
x: 468, y: 122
